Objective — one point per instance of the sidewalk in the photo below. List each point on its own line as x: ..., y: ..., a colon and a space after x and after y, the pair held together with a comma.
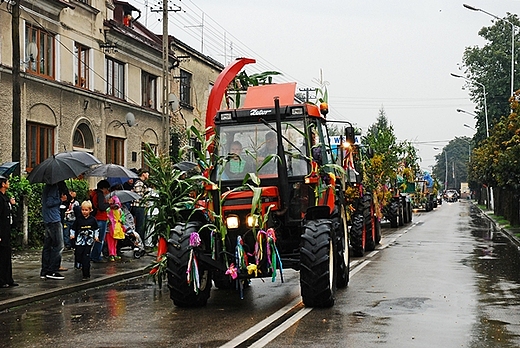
x: 509, y: 232
x: 26, y: 272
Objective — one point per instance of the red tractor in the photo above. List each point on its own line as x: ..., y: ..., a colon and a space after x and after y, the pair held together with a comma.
x: 275, y: 201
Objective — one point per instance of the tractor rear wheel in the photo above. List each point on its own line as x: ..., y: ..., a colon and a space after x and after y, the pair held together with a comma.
x: 378, y: 230
x: 370, y: 226
x: 317, y: 276
x: 356, y: 234
x: 393, y: 211
x: 182, y: 293
x: 342, y: 257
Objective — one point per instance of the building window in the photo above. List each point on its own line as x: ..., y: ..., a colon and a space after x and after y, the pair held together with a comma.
x: 115, y: 151
x: 83, y: 138
x: 185, y: 88
x: 81, y: 66
x: 40, y: 144
x: 149, y: 89
x: 115, y: 78
x: 39, y: 51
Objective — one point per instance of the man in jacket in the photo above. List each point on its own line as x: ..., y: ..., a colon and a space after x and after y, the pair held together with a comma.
x: 52, y: 198
x: 6, y: 220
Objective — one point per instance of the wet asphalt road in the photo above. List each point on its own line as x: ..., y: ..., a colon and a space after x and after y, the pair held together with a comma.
x: 447, y: 280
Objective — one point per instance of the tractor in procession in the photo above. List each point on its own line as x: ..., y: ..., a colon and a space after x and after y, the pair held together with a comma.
x: 274, y: 198
x: 276, y: 192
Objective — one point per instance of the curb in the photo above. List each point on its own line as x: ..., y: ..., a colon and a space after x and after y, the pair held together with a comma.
x: 505, y: 231
x: 93, y: 283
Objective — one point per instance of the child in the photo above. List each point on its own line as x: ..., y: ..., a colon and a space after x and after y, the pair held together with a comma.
x: 69, y: 218
x: 116, y: 230
x: 85, y: 229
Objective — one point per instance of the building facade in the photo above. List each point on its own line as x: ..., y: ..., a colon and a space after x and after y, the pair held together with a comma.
x: 91, y: 80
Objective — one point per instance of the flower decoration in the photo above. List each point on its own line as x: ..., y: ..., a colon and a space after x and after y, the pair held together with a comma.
x: 232, y: 271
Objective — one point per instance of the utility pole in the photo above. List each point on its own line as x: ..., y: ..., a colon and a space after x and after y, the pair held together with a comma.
x: 17, y: 104
x: 165, y: 81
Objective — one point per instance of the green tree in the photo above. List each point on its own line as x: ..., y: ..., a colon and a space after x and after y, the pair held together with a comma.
x: 456, y: 155
x: 381, y: 138
x: 496, y: 163
x: 490, y: 65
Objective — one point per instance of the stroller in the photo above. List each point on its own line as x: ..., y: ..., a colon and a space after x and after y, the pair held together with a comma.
x: 132, y: 239
x: 133, y: 242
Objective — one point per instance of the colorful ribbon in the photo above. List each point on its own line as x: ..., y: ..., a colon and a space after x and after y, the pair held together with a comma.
x: 192, y: 272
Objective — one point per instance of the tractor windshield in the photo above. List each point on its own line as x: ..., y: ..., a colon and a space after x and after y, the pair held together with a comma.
x: 252, y: 148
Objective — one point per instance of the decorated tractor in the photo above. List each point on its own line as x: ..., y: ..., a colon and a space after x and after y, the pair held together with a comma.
x: 274, y: 199
x: 399, y: 210
x: 425, y: 193
x: 365, y: 226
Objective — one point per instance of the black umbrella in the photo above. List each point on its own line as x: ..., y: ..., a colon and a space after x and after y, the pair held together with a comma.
x: 57, y: 168
x: 124, y: 195
x: 81, y: 156
x: 112, y: 171
x: 8, y: 168
x: 185, y: 166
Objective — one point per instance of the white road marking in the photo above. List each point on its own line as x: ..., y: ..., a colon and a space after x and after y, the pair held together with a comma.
x: 356, y: 266
x: 264, y: 323
x: 281, y: 328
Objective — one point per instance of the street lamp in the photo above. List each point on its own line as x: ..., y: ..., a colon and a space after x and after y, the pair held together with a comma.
x: 485, y: 97
x: 467, y: 112
x: 468, y: 126
x: 512, y: 40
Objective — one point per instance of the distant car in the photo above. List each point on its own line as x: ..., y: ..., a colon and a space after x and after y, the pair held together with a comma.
x: 451, y: 196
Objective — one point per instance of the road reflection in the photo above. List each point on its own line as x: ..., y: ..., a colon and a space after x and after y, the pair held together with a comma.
x: 497, y: 262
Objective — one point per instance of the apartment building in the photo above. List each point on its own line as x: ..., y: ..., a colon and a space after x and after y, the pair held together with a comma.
x: 91, y: 80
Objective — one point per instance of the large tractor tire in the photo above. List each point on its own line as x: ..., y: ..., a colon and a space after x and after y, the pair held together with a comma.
x: 357, y: 234
x: 400, y: 211
x: 393, y: 213
x: 342, y: 257
x: 182, y: 293
x: 406, y: 215
x: 317, y: 276
x: 409, y: 211
x: 370, y: 240
x: 378, y: 230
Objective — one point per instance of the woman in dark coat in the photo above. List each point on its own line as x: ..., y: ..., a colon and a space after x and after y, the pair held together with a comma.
x: 6, y: 267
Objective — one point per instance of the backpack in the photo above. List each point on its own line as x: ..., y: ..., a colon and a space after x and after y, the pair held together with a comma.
x: 93, y: 198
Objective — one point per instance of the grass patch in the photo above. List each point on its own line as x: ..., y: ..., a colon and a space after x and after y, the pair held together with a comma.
x: 501, y: 220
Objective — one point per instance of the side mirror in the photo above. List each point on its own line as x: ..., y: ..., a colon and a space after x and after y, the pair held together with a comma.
x: 350, y: 135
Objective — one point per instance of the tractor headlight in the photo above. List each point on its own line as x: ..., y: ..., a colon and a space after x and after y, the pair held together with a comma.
x: 251, y: 221
x: 232, y: 221
x: 226, y: 116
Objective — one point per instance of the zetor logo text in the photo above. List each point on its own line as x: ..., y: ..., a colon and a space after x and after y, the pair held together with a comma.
x: 256, y: 112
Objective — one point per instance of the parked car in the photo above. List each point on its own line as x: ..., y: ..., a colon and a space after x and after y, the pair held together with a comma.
x: 451, y: 196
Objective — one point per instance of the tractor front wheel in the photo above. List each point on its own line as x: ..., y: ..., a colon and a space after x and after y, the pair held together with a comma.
x: 317, y: 276
x: 179, y: 252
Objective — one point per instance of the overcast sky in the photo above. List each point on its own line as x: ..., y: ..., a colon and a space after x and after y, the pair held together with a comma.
x: 373, y: 53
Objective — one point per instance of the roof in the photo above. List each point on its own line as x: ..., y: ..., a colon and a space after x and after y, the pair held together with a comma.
x: 263, y: 96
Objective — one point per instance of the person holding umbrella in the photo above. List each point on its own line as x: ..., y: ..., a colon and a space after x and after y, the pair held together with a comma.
x: 6, y: 220
x: 138, y: 207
